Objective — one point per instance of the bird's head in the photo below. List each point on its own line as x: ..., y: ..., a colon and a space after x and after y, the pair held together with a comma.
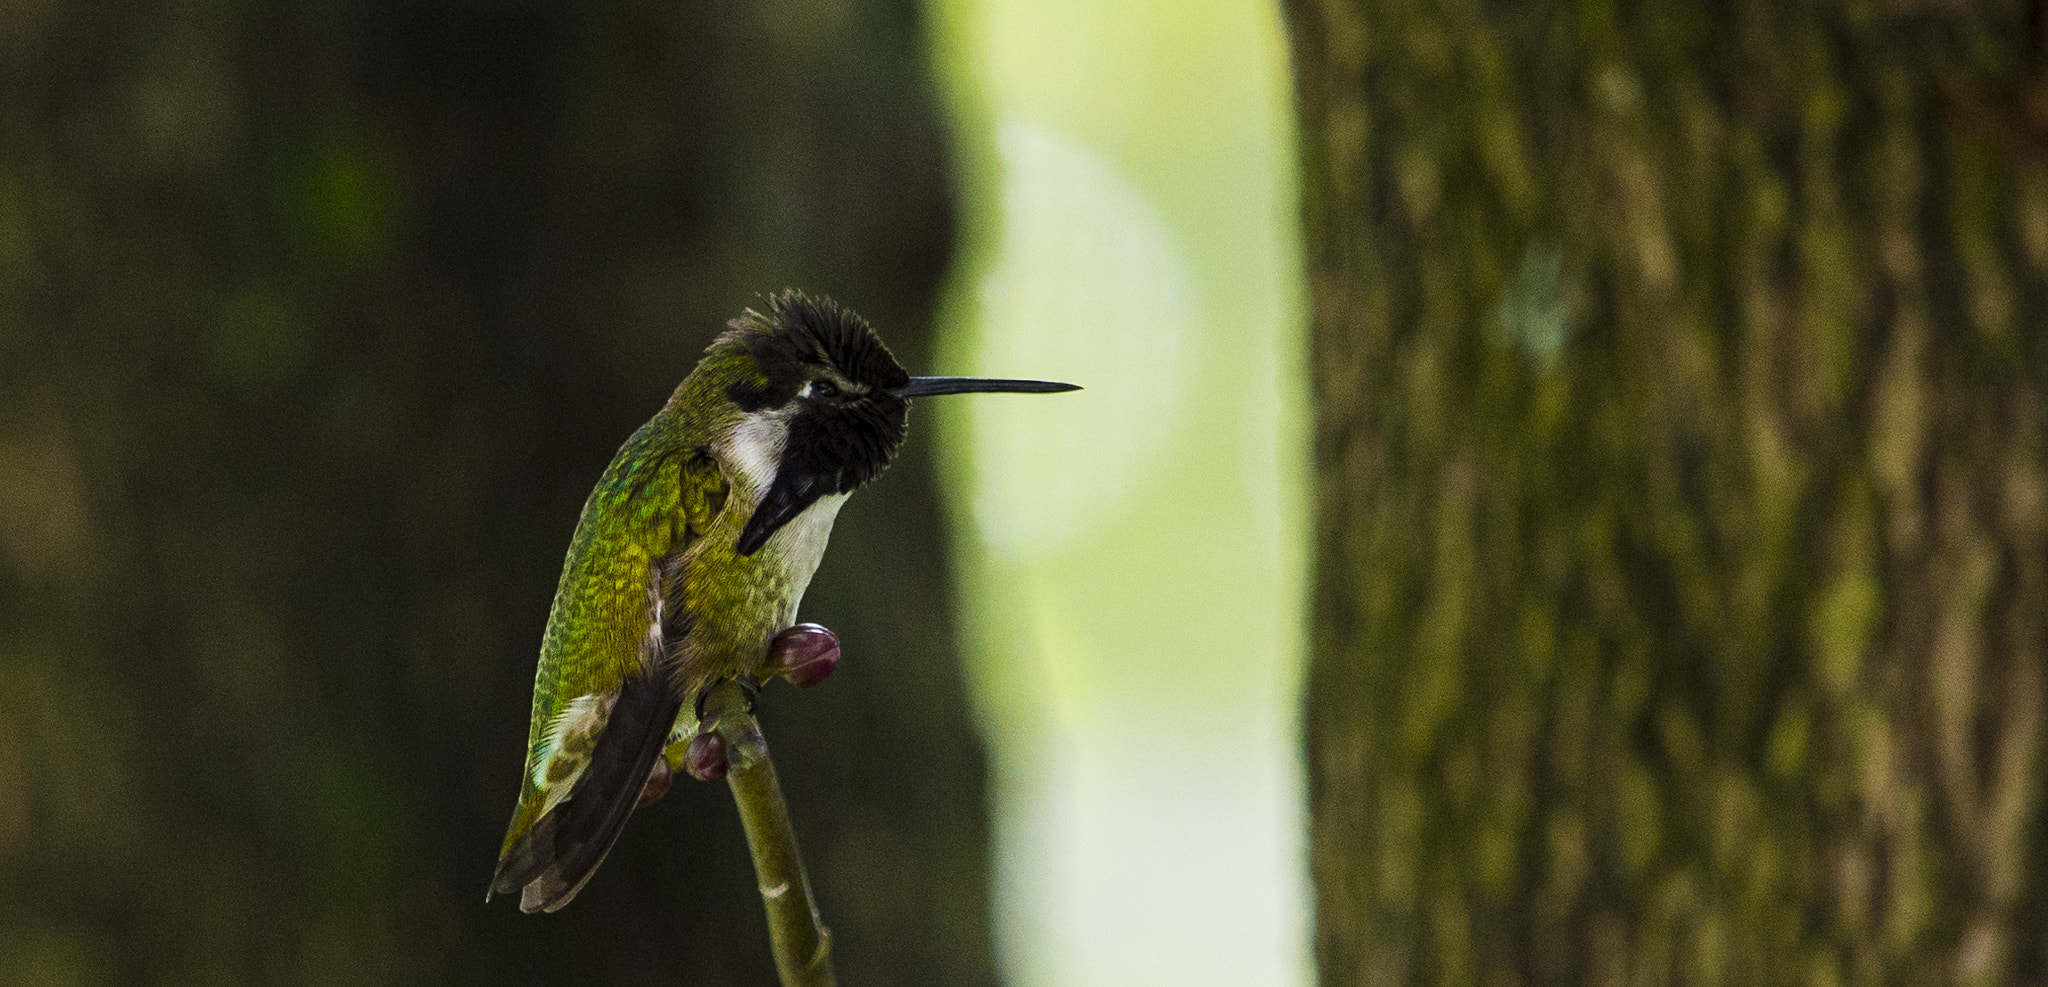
x: 824, y: 403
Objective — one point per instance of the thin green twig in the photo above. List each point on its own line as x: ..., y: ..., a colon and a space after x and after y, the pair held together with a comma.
x: 802, y: 944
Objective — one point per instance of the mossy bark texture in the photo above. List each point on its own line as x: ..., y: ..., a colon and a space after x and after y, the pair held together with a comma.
x: 1680, y: 587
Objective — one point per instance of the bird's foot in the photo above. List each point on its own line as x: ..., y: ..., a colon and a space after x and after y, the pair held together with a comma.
x: 805, y: 654
x: 703, y: 755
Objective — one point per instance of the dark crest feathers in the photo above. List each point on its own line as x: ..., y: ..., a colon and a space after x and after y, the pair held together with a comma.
x: 799, y: 331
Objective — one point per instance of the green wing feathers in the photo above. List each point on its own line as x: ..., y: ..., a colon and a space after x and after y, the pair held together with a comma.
x: 602, y: 703
x: 562, y: 849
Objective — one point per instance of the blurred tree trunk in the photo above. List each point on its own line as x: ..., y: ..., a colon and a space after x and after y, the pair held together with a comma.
x: 1680, y: 593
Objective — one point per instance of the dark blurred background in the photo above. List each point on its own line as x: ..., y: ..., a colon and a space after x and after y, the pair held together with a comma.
x: 317, y: 321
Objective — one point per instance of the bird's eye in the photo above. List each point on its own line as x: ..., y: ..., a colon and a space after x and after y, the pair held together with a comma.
x: 824, y: 389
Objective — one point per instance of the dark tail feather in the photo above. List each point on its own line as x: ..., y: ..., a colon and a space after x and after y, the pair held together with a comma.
x: 557, y: 856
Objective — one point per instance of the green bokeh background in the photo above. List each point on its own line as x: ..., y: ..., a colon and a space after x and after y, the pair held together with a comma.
x: 1130, y: 556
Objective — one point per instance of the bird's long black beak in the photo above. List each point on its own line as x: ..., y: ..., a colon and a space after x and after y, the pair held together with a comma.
x: 920, y: 387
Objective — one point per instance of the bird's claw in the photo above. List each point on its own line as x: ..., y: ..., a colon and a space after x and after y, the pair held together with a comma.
x: 804, y: 654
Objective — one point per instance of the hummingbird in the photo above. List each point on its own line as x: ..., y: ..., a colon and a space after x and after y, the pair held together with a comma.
x: 691, y: 553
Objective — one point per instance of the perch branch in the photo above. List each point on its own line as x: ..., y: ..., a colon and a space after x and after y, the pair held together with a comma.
x: 802, y: 944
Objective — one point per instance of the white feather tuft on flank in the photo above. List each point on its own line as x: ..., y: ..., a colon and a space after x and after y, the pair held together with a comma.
x: 653, y: 645
x: 583, y: 715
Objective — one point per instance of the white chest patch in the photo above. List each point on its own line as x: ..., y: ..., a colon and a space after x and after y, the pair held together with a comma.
x: 802, y: 540
x: 806, y: 535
